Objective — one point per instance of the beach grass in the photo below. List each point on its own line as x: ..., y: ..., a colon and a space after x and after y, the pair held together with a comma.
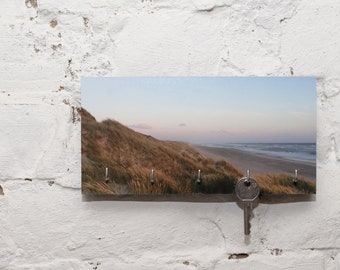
x: 130, y: 156
x: 282, y: 183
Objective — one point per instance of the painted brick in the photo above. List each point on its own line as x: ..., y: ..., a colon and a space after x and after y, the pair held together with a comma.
x: 46, y: 47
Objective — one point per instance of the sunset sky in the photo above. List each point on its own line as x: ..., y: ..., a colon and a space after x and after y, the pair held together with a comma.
x: 208, y: 109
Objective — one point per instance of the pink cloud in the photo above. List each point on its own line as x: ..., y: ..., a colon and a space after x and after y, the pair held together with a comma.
x: 140, y: 126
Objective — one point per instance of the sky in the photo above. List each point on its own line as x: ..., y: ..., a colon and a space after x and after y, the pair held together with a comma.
x: 208, y: 110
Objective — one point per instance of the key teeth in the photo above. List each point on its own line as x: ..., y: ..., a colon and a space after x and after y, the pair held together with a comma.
x: 248, y: 232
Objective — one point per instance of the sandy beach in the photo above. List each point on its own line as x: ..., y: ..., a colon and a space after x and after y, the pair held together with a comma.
x: 257, y: 163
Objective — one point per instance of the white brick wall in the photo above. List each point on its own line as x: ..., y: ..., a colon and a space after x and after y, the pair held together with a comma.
x: 47, y: 48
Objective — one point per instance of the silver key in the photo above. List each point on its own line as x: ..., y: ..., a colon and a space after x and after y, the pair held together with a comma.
x: 247, y: 190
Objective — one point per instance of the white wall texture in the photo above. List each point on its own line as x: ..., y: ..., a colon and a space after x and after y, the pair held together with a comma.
x: 46, y: 47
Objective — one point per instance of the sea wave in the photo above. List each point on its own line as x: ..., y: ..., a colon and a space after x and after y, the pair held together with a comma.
x: 293, y: 151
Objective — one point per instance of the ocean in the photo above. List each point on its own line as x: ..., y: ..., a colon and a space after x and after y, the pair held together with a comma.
x: 292, y: 151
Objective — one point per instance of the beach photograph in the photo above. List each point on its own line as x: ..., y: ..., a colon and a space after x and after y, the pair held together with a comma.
x: 197, y: 135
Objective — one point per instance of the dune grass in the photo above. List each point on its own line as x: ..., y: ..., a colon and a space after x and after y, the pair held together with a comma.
x: 130, y: 156
x: 282, y: 183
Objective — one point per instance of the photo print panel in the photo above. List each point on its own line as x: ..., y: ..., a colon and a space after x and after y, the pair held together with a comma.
x: 197, y: 135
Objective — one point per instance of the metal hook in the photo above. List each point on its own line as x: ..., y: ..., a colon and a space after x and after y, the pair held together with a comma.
x: 152, y: 177
x: 247, y: 180
x: 295, y: 177
x: 198, y: 181
x: 107, y: 175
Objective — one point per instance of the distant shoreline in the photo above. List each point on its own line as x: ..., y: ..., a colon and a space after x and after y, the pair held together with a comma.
x: 258, y: 163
